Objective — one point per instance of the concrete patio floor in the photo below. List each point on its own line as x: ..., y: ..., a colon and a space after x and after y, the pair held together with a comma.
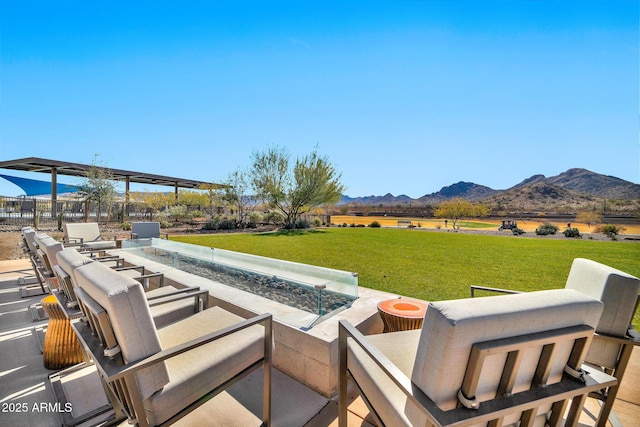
x: 26, y: 395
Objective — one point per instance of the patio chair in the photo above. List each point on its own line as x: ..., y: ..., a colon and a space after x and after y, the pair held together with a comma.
x: 86, y: 235
x: 615, y: 336
x: 147, y: 230
x: 157, y: 376
x: 46, y: 252
x: 28, y: 240
x: 30, y: 249
x: 168, y: 304
x: 503, y: 360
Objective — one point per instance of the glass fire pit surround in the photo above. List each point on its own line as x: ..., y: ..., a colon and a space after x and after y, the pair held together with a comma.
x: 318, y: 290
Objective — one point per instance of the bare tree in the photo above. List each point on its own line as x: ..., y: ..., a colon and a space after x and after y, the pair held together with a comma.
x: 99, y: 187
x: 589, y: 217
x: 234, y: 194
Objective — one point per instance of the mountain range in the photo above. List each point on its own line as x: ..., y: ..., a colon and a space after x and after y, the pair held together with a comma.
x: 573, y: 188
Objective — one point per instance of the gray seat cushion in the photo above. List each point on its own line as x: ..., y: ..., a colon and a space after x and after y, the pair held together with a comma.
x: 197, y: 372
x: 401, y: 349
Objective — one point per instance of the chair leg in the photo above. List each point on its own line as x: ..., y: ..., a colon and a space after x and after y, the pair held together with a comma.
x: 623, y: 361
x: 266, y: 390
x: 342, y: 378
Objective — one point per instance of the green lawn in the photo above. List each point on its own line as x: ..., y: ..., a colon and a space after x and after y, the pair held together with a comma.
x: 431, y: 265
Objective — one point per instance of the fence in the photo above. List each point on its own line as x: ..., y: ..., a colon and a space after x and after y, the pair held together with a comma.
x: 39, y: 213
x: 22, y: 212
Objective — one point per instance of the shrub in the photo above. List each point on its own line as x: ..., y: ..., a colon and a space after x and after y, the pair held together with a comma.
x: 255, y: 217
x: 572, y: 233
x: 218, y: 223
x: 126, y: 226
x: 610, y: 230
x: 303, y: 223
x: 546, y: 229
x: 300, y: 224
x: 317, y: 222
x: 273, y: 218
x: 517, y: 231
x: 375, y: 224
x: 166, y: 224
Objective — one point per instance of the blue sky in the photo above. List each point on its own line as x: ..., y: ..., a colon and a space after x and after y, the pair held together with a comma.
x: 402, y: 96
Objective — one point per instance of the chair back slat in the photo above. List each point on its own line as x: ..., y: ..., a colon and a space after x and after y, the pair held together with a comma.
x: 543, y: 370
x: 509, y: 373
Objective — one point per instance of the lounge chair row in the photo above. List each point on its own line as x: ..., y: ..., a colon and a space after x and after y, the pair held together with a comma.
x: 160, y: 352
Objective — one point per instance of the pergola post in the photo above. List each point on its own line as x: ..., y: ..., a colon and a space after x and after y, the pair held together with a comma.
x: 126, y: 195
x: 54, y: 192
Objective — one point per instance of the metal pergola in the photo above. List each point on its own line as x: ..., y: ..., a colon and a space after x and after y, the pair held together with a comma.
x: 56, y: 167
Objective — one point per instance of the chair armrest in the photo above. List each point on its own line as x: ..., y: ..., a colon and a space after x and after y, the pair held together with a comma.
x: 488, y: 289
x: 176, y: 292
x: 140, y: 268
x: 119, y: 261
x: 144, y: 279
x: 420, y: 400
x: 72, y: 241
x: 172, y: 297
x: 632, y: 338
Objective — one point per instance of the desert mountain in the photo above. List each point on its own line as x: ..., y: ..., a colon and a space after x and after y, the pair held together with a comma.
x: 466, y: 190
x: 575, y: 188
x: 587, y: 182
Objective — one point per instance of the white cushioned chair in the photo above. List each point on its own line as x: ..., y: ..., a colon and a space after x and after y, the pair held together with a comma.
x: 159, y: 375
x: 86, y: 235
x: 495, y: 359
x: 39, y: 269
x: 615, y: 337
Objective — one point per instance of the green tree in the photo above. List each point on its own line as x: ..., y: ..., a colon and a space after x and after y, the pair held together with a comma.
x: 99, y: 187
x: 293, y: 191
x: 458, y: 209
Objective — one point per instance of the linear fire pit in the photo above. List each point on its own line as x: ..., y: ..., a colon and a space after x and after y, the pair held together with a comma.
x: 306, y: 301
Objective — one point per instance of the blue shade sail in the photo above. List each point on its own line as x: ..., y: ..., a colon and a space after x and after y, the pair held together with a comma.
x: 34, y: 187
